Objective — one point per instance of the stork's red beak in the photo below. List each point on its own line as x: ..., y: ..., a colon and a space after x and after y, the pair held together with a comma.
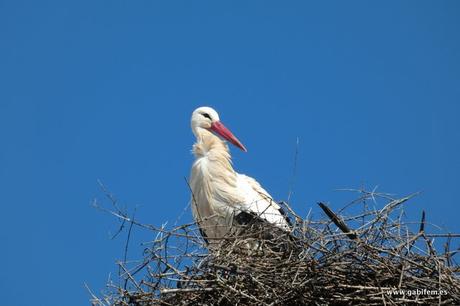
x: 221, y: 130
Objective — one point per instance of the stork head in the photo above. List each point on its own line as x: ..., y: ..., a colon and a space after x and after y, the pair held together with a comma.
x: 207, y: 118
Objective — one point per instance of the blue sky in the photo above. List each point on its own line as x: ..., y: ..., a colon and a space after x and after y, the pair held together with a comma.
x: 104, y: 90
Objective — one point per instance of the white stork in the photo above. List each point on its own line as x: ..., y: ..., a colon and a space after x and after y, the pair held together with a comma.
x: 220, y: 195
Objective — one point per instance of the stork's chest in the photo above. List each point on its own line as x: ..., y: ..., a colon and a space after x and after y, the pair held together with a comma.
x: 201, y: 175
x: 200, y: 167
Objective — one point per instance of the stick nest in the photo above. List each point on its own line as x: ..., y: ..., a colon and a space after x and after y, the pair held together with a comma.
x: 368, y: 257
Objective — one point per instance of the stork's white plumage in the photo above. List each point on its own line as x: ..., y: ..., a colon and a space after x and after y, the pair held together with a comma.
x: 219, y: 193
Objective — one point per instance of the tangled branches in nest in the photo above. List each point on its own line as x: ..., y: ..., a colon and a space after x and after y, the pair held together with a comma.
x: 371, y: 257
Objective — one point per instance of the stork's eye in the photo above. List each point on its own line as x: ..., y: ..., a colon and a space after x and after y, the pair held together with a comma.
x: 206, y: 115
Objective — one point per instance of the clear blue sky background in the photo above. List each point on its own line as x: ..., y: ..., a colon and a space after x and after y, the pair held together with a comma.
x: 104, y: 90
